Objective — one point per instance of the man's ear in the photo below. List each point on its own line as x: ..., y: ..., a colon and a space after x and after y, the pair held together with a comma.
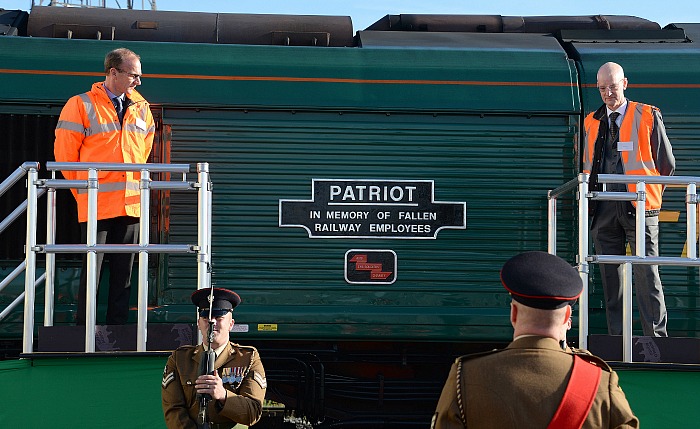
x: 567, y: 320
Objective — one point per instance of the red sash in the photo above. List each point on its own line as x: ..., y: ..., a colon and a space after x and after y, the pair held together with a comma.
x: 578, y: 397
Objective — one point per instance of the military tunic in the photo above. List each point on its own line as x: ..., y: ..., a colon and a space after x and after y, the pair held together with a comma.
x: 243, y: 377
x: 522, y: 387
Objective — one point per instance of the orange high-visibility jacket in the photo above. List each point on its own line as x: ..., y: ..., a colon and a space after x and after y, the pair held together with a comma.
x: 651, y: 154
x: 88, y: 130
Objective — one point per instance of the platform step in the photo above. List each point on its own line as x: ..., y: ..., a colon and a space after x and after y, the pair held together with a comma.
x: 647, y: 349
x: 160, y: 337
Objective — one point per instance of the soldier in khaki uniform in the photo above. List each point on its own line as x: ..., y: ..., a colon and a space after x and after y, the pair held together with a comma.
x: 523, y: 386
x: 237, y: 387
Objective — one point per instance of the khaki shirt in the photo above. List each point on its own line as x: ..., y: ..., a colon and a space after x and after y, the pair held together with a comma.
x: 243, y: 376
x: 522, y: 386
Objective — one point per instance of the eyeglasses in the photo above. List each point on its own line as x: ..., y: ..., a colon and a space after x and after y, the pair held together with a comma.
x: 611, y: 88
x: 134, y: 76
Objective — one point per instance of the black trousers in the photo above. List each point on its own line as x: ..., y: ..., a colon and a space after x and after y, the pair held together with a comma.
x: 612, y: 228
x: 118, y: 230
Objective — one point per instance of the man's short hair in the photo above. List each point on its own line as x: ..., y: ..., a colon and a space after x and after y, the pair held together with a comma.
x: 115, y: 58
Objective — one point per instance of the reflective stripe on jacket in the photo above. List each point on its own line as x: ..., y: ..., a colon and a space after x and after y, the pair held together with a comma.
x: 650, y: 155
x: 88, y: 130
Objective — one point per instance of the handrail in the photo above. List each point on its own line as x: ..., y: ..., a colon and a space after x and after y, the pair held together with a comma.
x: 19, y: 298
x: 19, y: 173
x: 6, y: 184
x: 580, y: 184
x: 17, y: 212
x: 37, y: 186
x: 116, y: 166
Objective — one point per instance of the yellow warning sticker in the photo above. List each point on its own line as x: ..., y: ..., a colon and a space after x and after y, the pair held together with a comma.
x: 267, y: 327
x: 669, y: 216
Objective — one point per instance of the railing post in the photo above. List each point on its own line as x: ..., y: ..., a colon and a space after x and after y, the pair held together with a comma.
x: 50, y: 283
x: 641, y: 221
x: 203, y: 229
x: 30, y: 266
x: 91, y: 295
x: 691, y: 204
x: 583, y: 232
x: 144, y: 236
x: 552, y: 225
x: 640, y: 252
x: 36, y: 188
x: 627, y: 312
x: 204, y: 226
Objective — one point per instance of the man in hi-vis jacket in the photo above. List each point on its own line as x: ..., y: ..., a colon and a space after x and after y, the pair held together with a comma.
x: 110, y: 123
x: 627, y: 137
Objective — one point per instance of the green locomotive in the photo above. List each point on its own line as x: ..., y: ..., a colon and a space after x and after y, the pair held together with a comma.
x: 311, y: 133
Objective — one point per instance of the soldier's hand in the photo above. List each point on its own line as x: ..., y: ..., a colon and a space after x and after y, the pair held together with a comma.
x: 211, y: 384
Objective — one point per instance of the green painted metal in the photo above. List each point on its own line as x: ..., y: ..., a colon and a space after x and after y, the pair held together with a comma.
x: 352, y: 136
x: 124, y: 392
x: 109, y: 392
x: 662, y: 398
x: 446, y: 289
x: 495, y: 123
x: 533, y: 75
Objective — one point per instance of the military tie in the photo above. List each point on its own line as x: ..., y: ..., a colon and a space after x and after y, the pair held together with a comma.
x: 119, y: 106
x: 614, y: 129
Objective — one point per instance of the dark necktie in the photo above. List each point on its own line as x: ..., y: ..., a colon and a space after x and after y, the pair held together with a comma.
x: 119, y: 106
x: 614, y: 130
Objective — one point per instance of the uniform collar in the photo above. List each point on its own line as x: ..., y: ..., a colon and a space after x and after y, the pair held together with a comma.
x: 220, y: 349
x: 534, y: 341
x: 223, y: 354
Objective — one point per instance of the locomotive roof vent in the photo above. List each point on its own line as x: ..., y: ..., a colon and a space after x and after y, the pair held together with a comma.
x: 190, y: 27
x: 509, y: 24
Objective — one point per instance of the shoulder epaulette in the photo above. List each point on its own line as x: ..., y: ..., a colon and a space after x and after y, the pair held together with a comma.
x: 595, y: 360
x: 186, y: 346
x: 249, y: 348
x: 477, y: 355
x: 459, y: 393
